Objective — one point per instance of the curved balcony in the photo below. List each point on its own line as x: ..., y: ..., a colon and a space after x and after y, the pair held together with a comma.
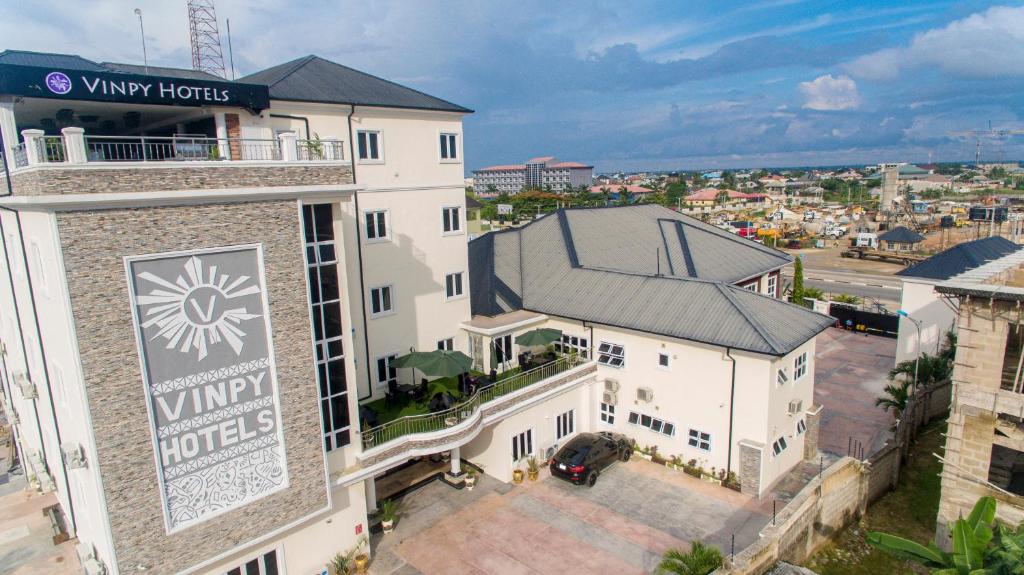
x: 429, y: 433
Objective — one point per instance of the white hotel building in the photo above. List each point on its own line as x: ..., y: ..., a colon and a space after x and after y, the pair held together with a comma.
x: 536, y: 173
x: 204, y: 280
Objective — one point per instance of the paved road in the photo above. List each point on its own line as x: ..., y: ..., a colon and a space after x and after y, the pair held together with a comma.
x: 885, y: 289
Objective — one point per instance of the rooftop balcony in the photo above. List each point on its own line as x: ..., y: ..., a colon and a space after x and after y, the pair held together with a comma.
x: 412, y: 436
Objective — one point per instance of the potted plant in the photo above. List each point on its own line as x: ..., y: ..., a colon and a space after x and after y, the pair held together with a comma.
x: 674, y: 463
x: 646, y: 453
x: 712, y: 477
x: 517, y: 476
x: 470, y: 480
x: 731, y: 481
x: 388, y: 514
x: 341, y: 563
x: 532, y: 468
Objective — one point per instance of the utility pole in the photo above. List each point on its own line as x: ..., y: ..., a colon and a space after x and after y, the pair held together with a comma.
x: 142, y: 33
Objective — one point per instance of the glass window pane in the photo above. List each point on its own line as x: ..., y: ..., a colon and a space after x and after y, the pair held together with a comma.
x: 362, y: 145
x: 324, y: 222
x: 335, y: 349
x: 645, y: 420
x: 307, y: 223
x: 339, y: 411
x: 371, y: 231
x: 327, y: 253
x: 386, y: 298
x: 374, y: 152
x: 252, y: 567
x: 314, y: 285
x: 633, y: 417
x: 668, y: 429
x: 336, y: 377
x: 375, y: 300
x: 270, y: 563
x: 382, y: 230
x: 318, y: 324
x: 329, y: 282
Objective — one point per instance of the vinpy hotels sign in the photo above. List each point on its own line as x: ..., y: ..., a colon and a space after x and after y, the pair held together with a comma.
x: 110, y: 86
x: 203, y: 331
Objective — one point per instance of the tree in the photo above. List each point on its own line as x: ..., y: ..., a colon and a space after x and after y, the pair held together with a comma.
x: 624, y: 196
x: 895, y: 400
x: 931, y: 369
x: 698, y: 181
x: 972, y: 545
x: 846, y: 298
x: 798, y: 281
x: 722, y: 197
x: 699, y: 560
x: 675, y: 192
x: 729, y: 179
x: 606, y: 195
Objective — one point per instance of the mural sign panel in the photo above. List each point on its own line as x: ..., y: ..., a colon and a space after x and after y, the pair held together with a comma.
x: 203, y: 331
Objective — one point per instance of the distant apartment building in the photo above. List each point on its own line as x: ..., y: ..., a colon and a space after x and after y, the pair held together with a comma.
x: 984, y: 452
x: 537, y: 173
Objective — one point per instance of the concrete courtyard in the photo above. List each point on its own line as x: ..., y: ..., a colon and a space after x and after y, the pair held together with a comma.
x: 623, y: 524
x: 851, y: 370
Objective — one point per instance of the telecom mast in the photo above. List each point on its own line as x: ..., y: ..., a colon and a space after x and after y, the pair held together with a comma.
x: 202, y: 24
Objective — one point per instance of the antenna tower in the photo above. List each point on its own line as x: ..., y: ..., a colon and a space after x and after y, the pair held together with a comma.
x: 207, y: 55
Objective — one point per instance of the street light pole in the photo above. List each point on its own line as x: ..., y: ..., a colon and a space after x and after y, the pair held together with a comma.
x: 917, y: 358
x: 142, y: 32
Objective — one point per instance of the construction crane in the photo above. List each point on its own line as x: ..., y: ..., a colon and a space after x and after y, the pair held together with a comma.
x: 207, y: 55
x: 979, y: 134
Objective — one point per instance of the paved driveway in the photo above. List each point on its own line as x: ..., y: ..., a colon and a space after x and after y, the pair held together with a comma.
x: 622, y: 525
x: 850, y: 371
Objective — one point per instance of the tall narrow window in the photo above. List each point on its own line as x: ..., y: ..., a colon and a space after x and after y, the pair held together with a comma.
x: 380, y: 300
x: 325, y: 309
x: 376, y: 224
x: 773, y: 290
x: 386, y: 373
x: 800, y: 366
x: 450, y: 220
x: 446, y: 344
x: 449, y: 149
x: 369, y: 145
x: 503, y: 348
x: 522, y: 445
x: 453, y: 285
x: 565, y: 424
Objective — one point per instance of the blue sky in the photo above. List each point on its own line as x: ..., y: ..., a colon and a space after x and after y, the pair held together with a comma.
x: 629, y: 85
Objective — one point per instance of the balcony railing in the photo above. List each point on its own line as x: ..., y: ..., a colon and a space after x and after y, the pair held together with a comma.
x: 19, y: 155
x: 455, y: 415
x: 51, y: 149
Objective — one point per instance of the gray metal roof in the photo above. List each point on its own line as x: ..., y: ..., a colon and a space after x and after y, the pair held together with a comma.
x: 543, y: 267
x: 314, y: 79
x: 901, y: 235
x: 72, y: 62
x: 961, y: 258
x: 162, y: 71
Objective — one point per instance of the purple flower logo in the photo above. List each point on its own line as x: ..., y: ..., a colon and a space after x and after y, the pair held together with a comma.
x: 58, y: 82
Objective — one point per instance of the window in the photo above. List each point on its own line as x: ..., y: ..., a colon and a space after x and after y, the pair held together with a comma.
x: 781, y: 378
x: 522, y: 445
x: 380, y: 300
x: 663, y: 360
x: 801, y: 427
x: 653, y: 423
x: 385, y: 372
x: 699, y: 439
x: 446, y: 344
x: 565, y: 424
x: 450, y: 221
x: 611, y: 354
x: 265, y: 564
x: 503, y: 348
x: 751, y: 287
x: 376, y: 224
x: 800, y: 366
x: 325, y: 309
x: 608, y: 413
x: 772, y: 289
x: 572, y: 344
x: 779, y: 446
x: 453, y: 285
x: 369, y: 145
x: 449, y: 148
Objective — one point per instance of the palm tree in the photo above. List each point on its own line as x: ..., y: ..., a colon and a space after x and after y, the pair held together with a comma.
x: 896, y: 399
x: 931, y: 369
x: 699, y: 560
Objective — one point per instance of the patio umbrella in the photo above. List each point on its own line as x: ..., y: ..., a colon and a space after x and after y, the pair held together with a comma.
x: 411, y: 359
x: 443, y: 363
x: 539, y: 336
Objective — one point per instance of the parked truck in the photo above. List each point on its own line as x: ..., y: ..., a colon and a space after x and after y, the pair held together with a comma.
x: 865, y: 245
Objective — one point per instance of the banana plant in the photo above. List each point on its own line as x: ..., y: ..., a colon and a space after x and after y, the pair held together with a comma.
x: 971, y: 539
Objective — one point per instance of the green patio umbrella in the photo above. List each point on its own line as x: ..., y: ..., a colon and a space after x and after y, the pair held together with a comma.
x: 538, y: 337
x: 411, y: 359
x: 443, y: 363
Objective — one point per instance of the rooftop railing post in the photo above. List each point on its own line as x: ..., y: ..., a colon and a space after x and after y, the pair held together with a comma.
x: 33, y: 146
x: 289, y: 146
x: 74, y: 145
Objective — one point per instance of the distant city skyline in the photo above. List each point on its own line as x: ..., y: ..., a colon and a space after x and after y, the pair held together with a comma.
x: 648, y: 86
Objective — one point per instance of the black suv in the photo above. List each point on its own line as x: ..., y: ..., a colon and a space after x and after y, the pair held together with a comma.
x: 582, y: 459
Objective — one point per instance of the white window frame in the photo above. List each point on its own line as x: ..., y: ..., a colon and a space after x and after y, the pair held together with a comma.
x: 772, y: 286
x: 637, y: 418
x: 450, y: 139
x: 380, y: 147
x: 781, y: 377
x: 391, y: 297
x: 800, y: 366
x: 606, y: 355
x: 607, y: 413
x: 461, y: 293
x: 520, y: 441
x: 567, y: 345
x: 801, y: 426
x: 376, y: 366
x: 457, y: 230
x: 668, y: 361
x: 262, y: 563
x: 696, y: 439
x: 752, y: 286
x: 779, y: 446
x: 565, y: 424
x: 387, y: 225
x: 446, y: 344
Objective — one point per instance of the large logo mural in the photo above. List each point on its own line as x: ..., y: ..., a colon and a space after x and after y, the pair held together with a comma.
x: 203, y: 331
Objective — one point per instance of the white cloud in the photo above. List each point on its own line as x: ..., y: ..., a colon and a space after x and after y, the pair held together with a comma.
x: 828, y: 93
x: 986, y: 44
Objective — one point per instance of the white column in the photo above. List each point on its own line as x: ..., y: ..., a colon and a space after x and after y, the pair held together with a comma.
x: 289, y: 146
x: 371, y: 494
x: 74, y: 145
x: 33, y: 145
x: 222, y: 136
x: 8, y: 130
x: 456, y: 462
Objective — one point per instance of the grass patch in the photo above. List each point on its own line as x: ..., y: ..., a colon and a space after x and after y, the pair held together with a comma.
x: 909, y: 511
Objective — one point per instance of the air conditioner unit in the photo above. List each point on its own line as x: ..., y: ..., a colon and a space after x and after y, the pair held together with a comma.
x: 94, y: 567
x: 28, y: 389
x: 610, y: 398
x: 796, y: 406
x: 550, y: 452
x: 611, y: 385
x: 74, y: 455
x: 645, y: 394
